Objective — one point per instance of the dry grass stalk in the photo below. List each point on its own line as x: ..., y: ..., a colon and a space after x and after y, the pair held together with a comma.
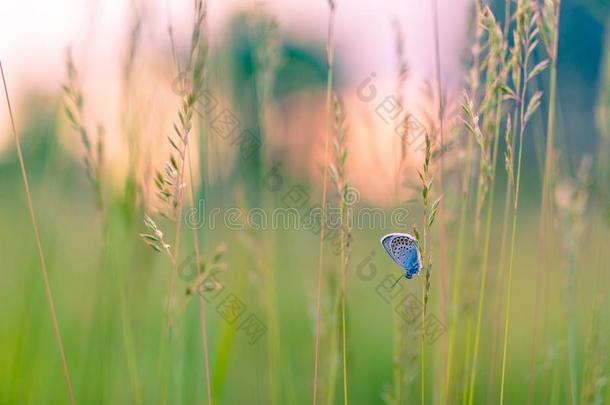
x: 525, y: 43
x: 329, y: 86
x: 337, y: 172
x: 93, y: 154
x: 43, y: 266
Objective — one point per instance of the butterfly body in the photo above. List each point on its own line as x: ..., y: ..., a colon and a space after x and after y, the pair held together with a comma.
x: 403, y: 249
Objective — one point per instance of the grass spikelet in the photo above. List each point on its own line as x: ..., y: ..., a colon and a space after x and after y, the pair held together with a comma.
x: 525, y: 43
x: 74, y: 108
x: 495, y: 82
x: 259, y: 288
x: 171, y: 185
x: 548, y: 26
x: 429, y: 213
x: 337, y: 172
x: 473, y: 84
x: 329, y: 121
x: 94, y: 167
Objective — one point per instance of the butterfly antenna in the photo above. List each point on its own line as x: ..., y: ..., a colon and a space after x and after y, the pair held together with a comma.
x: 396, y: 282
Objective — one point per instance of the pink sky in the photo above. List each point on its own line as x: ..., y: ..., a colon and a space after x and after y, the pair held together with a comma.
x: 35, y: 36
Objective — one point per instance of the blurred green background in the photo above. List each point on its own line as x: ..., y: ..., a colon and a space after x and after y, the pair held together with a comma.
x: 110, y: 289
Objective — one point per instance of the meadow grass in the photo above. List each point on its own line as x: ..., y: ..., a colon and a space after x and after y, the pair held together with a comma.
x: 94, y: 166
x: 525, y: 41
x: 524, y: 308
x: 43, y: 266
x: 328, y: 129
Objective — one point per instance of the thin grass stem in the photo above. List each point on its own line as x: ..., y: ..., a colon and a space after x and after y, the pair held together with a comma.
x: 329, y: 86
x: 546, y: 207
x: 486, y: 248
x: 200, y: 300
x: 43, y: 266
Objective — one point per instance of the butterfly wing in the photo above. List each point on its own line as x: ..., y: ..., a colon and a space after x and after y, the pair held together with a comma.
x: 403, y: 249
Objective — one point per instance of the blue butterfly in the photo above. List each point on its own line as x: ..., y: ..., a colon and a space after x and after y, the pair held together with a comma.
x: 403, y: 249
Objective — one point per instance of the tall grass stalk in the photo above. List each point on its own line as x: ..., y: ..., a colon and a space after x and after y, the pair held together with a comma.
x: 441, y: 169
x: 329, y: 86
x: 131, y: 130
x: 524, y: 45
x: 196, y: 243
x: 510, y: 146
x: 429, y: 214
x: 492, y: 59
x: 548, y: 24
x: 196, y: 62
x: 43, y: 266
x: 74, y: 104
x: 495, y: 80
x: 94, y: 166
x: 473, y: 84
x: 200, y: 300
x: 479, y: 109
x: 93, y: 154
x: 170, y: 185
x: 458, y: 265
x: 337, y: 171
x: 484, y: 266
